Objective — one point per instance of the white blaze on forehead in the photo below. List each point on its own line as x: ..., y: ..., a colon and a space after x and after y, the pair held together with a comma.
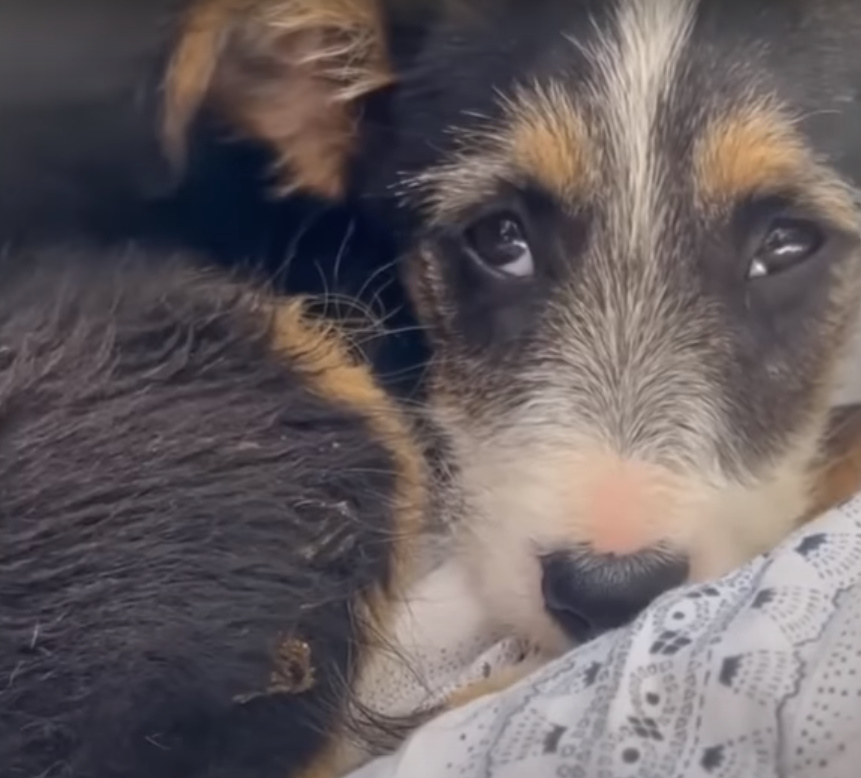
x: 629, y: 342
x: 636, y: 62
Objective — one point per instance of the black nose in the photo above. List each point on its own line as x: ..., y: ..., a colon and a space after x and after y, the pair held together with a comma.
x: 590, y: 593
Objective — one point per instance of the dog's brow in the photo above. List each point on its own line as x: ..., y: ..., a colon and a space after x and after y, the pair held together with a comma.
x: 758, y: 150
x: 540, y: 138
x: 547, y: 140
x: 753, y: 150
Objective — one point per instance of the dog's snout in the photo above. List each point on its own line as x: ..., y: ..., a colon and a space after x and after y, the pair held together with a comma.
x: 588, y: 593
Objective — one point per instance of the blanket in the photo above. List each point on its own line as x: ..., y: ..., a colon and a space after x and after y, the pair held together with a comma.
x: 755, y: 675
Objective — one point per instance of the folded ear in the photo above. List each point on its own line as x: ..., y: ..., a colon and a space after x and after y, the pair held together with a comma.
x: 290, y: 73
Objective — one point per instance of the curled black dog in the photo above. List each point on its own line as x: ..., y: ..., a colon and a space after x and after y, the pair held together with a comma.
x: 207, y: 510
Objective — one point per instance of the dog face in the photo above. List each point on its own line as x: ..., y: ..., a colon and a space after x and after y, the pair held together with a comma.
x: 637, y: 259
x: 629, y: 229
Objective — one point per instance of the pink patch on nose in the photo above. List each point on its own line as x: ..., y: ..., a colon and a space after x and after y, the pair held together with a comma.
x: 625, y: 505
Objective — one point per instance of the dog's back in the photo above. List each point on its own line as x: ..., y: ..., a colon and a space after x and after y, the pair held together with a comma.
x: 204, y: 501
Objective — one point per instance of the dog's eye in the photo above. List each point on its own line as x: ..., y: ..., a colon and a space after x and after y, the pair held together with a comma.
x: 787, y: 243
x: 499, y: 243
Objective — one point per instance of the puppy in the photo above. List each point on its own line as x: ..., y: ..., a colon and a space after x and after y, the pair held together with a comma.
x: 208, y: 511
x: 630, y: 231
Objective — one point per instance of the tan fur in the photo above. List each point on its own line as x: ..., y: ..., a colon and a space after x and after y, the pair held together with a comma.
x: 338, y: 376
x: 331, y: 370
x: 321, y: 767
x: 286, y: 72
x: 547, y: 140
x: 840, y: 475
x: 541, y: 139
x: 192, y: 68
x: 740, y: 155
x: 758, y: 151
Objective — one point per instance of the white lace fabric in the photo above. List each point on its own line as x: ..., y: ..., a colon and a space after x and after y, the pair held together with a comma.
x: 754, y: 676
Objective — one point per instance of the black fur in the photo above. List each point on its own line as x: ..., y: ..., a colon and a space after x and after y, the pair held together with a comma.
x: 176, y: 501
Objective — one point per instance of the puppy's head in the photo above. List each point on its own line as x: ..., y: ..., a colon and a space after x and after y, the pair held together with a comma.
x: 630, y: 231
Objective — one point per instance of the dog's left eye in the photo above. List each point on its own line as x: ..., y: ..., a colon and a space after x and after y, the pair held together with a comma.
x: 787, y: 243
x: 499, y: 243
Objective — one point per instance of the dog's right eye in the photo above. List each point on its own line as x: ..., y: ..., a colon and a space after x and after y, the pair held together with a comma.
x: 787, y: 243
x: 498, y: 242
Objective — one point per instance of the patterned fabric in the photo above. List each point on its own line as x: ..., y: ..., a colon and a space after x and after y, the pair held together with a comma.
x: 756, y: 675
x: 444, y: 643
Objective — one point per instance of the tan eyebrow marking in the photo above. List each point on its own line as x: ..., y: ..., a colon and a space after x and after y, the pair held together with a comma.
x: 759, y: 150
x: 756, y: 150
x: 547, y: 139
x: 540, y: 137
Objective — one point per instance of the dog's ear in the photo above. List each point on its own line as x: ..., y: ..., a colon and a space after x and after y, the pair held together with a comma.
x: 289, y: 73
